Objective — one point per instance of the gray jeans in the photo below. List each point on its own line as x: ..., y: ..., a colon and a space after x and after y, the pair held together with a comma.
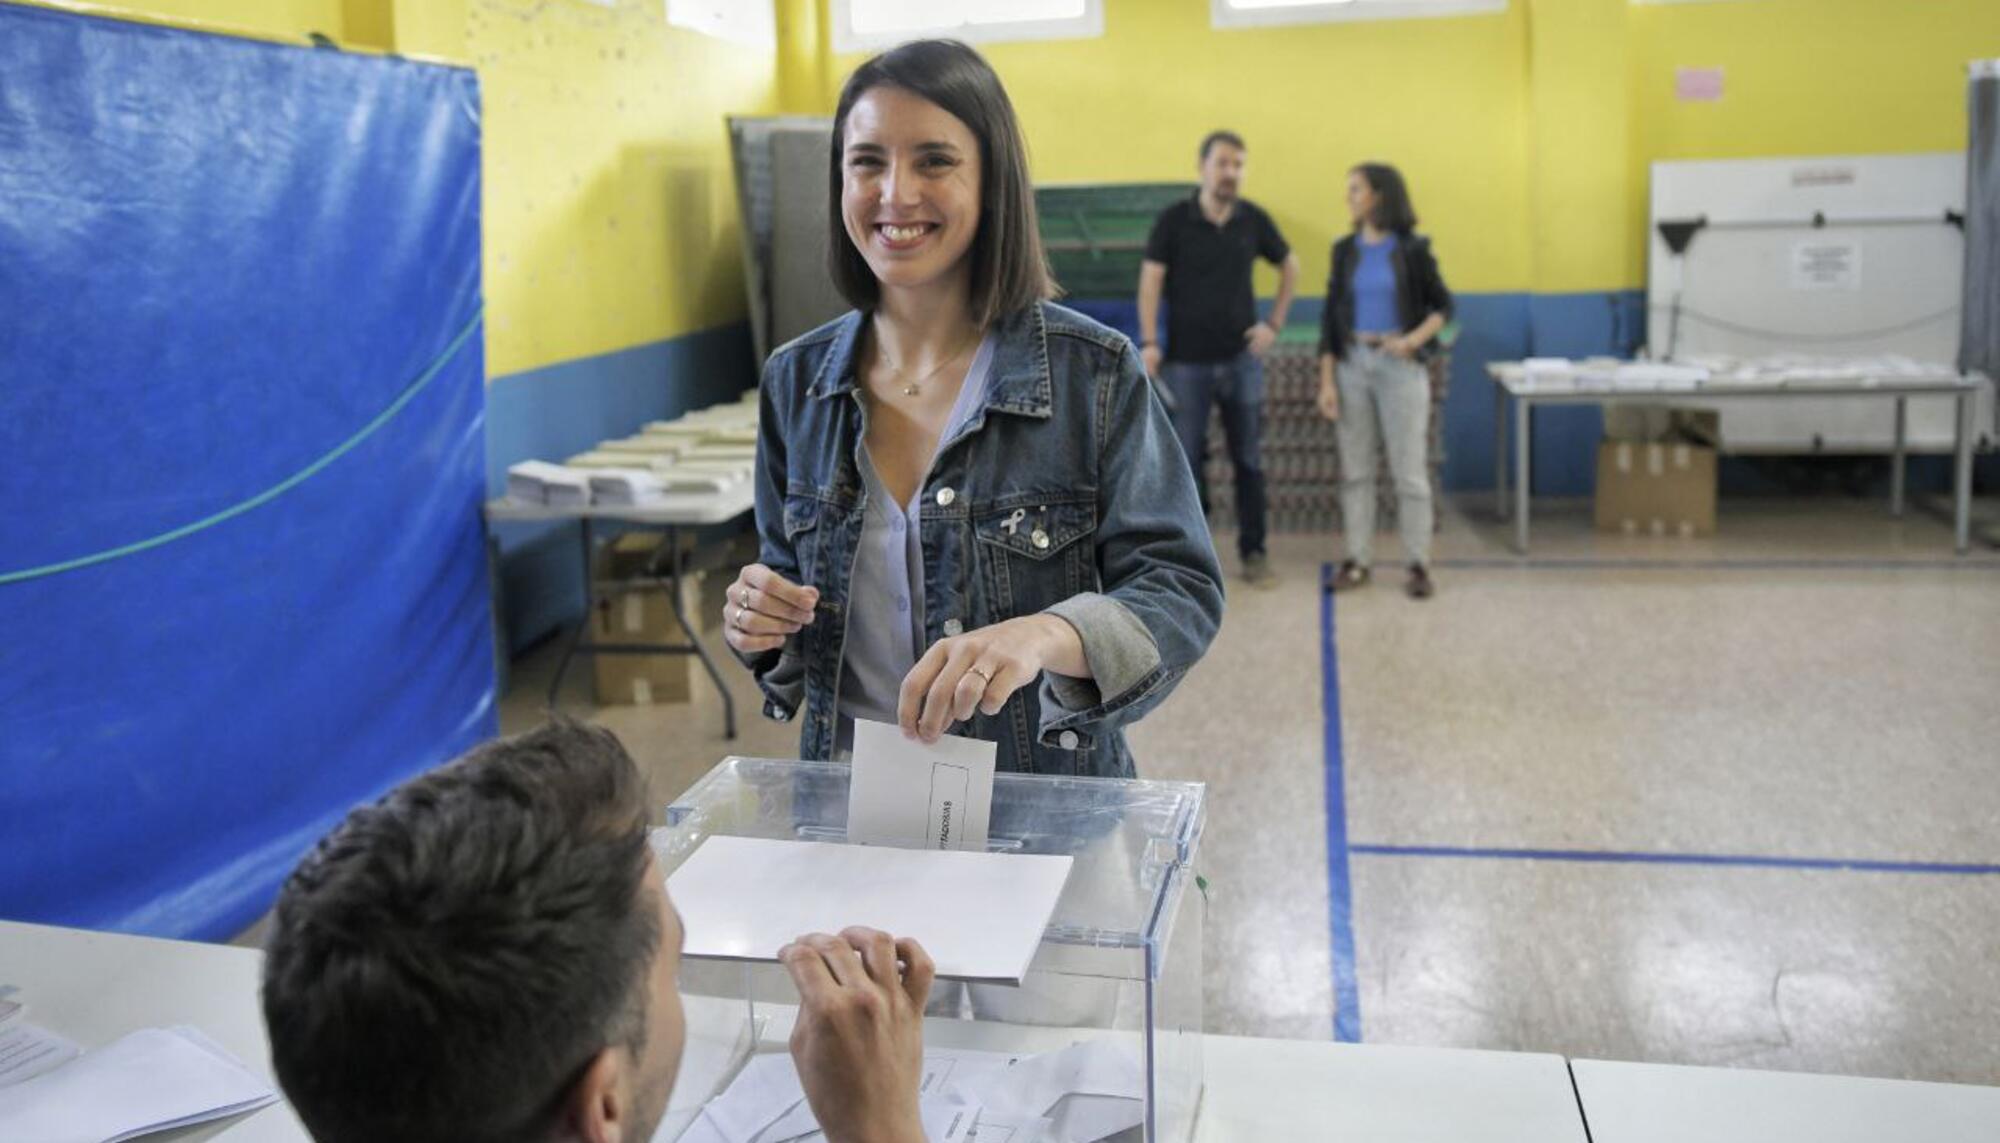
x: 1386, y: 396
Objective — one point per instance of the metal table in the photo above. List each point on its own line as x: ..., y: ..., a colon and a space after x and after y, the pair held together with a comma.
x: 1511, y: 381
x: 669, y: 514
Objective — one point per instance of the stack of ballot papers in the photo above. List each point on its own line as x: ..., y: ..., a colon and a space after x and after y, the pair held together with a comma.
x: 625, y: 487
x: 27, y: 1050
x: 538, y: 482
x: 1083, y: 1093
x: 645, y: 444
x: 149, y: 1081
x: 1651, y: 375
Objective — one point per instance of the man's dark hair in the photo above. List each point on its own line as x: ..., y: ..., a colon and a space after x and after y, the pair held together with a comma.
x: 1009, y: 270
x: 1393, y: 211
x: 1213, y: 137
x: 447, y: 962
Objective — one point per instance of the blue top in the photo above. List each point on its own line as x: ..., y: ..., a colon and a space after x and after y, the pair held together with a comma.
x: 885, y: 622
x: 1375, y: 289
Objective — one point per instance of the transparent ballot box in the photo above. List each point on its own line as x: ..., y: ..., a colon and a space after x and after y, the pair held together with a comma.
x: 1118, y: 970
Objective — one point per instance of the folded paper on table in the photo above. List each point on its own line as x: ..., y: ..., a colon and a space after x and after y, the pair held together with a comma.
x: 148, y: 1081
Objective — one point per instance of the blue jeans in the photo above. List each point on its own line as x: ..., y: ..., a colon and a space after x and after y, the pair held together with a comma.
x: 1236, y: 386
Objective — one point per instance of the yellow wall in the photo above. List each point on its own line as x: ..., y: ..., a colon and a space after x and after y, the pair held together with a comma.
x: 1443, y: 99
x: 1525, y: 135
x: 610, y: 210
x: 610, y: 207
x: 1804, y: 77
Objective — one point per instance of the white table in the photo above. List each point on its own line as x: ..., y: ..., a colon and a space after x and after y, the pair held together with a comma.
x: 1589, y: 386
x: 1659, y: 1103
x: 670, y: 514
x: 94, y: 987
x: 1310, y: 1091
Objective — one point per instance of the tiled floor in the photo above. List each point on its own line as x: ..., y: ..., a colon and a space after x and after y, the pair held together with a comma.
x: 1816, y: 682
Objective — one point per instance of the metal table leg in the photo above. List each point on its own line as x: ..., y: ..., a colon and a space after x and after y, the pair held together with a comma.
x: 1499, y: 450
x: 1961, y: 481
x: 1896, y: 465
x: 589, y: 608
x: 694, y: 640
x: 1524, y: 419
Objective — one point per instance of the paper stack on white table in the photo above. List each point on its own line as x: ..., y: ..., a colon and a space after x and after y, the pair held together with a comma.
x: 149, y: 1081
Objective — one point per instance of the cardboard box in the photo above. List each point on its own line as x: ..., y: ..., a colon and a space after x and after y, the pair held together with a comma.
x: 638, y: 616
x: 1656, y: 488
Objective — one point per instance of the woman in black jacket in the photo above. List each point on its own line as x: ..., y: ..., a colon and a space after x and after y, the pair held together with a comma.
x: 1385, y: 303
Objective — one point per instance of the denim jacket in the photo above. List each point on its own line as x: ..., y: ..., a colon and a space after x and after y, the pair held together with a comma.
x: 1066, y: 493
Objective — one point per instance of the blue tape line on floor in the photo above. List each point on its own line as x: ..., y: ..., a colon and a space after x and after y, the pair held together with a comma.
x: 1339, y: 893
x: 1737, y: 859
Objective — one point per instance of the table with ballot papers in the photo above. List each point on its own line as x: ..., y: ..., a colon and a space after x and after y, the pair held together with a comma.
x: 1066, y: 922
x: 691, y: 471
x: 1711, y: 379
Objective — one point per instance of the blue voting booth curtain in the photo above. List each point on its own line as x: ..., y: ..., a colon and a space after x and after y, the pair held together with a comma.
x: 243, y: 583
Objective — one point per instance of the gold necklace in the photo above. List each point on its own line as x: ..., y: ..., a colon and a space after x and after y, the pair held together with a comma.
x: 915, y: 388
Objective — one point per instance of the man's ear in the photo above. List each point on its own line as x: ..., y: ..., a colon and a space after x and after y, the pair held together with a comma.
x: 598, y: 1111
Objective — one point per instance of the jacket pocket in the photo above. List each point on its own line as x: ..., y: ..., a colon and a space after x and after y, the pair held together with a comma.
x: 1036, y: 555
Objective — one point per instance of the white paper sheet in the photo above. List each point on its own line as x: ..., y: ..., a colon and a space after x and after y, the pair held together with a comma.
x: 979, y: 915
x: 917, y: 795
x: 148, y: 1081
x: 27, y: 1050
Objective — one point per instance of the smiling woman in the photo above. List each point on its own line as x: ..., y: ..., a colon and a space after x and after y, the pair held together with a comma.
x: 972, y: 511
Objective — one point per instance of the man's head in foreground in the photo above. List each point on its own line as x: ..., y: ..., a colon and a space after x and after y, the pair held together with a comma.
x: 486, y: 954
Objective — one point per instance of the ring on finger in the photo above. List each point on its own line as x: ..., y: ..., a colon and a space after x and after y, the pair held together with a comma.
x: 983, y: 672
x: 743, y: 599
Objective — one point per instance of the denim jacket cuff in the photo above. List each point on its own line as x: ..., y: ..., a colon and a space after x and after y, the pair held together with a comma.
x: 780, y: 674
x: 1124, y: 666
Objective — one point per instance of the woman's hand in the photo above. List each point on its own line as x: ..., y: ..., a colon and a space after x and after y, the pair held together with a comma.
x: 980, y: 670
x: 1329, y: 401
x: 1400, y: 348
x: 765, y: 609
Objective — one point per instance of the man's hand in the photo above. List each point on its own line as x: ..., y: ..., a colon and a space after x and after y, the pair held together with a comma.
x: 980, y: 670
x: 1151, y: 357
x: 765, y: 609
x: 1259, y: 338
x: 1329, y: 402
x: 859, y: 1040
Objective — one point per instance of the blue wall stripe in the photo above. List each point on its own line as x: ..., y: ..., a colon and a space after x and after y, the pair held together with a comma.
x: 1852, y: 865
x: 1339, y: 891
x: 560, y: 410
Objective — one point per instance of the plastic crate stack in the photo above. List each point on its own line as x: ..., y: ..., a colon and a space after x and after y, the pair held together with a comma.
x: 1302, y: 452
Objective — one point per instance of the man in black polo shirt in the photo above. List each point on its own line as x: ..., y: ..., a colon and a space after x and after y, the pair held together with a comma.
x: 1201, y: 249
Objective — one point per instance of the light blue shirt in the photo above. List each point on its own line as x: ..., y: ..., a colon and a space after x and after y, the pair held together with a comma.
x: 885, y: 620
x: 1375, y: 289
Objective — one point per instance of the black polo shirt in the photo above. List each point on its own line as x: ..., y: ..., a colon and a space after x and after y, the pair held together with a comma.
x: 1209, y: 303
